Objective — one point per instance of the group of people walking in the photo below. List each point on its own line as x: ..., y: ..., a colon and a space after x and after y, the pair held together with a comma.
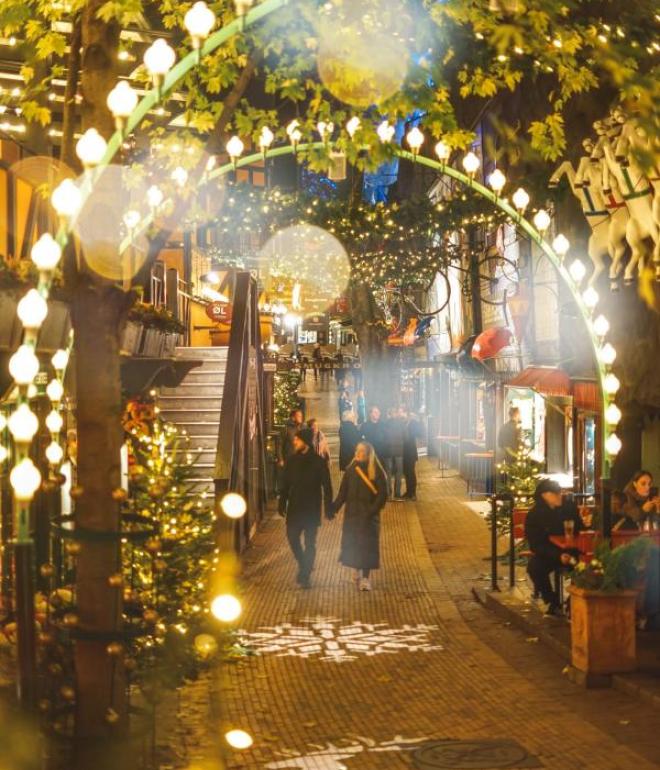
x: 374, y: 459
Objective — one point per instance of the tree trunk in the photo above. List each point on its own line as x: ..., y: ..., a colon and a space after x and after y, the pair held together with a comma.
x: 67, y: 153
x: 98, y: 74
x: 380, y: 364
x: 98, y: 313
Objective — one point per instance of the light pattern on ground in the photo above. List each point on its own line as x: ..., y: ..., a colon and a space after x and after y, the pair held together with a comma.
x: 331, y: 640
x: 332, y: 756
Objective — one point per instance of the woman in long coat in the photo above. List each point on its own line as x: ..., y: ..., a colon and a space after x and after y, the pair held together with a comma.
x: 364, y: 493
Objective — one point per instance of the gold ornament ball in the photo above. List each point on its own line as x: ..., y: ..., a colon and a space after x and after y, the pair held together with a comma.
x: 67, y: 692
x: 47, y: 570
x: 153, y: 545
x: 119, y: 494
x: 150, y: 616
x: 73, y: 548
x: 76, y: 492
x: 116, y: 580
x: 70, y: 620
x: 114, y: 648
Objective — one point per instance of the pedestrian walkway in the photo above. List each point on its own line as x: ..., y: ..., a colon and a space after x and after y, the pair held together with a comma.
x: 344, y: 680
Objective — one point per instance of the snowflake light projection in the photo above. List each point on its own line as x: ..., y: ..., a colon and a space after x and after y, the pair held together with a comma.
x: 332, y: 756
x: 331, y: 641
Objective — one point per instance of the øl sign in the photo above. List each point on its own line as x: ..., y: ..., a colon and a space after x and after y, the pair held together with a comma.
x: 219, y: 311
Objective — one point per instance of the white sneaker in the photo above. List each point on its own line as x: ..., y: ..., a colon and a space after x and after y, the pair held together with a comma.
x: 365, y: 585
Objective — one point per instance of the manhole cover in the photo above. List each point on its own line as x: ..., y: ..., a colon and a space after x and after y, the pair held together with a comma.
x: 473, y: 755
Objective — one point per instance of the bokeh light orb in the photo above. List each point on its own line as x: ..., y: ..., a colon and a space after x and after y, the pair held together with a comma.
x: 310, y: 257
x: 205, y: 645
x: 363, y: 53
x: 239, y: 739
x: 233, y: 505
x: 226, y: 608
x: 109, y: 249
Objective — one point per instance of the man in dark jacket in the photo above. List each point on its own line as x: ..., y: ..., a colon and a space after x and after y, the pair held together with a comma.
x: 509, y: 439
x: 292, y: 426
x: 305, y: 487
x: 373, y: 431
x: 395, y: 436
x: 410, y: 454
x: 546, y: 518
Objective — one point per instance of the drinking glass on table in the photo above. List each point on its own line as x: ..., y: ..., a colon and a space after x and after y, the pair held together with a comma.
x: 569, y: 529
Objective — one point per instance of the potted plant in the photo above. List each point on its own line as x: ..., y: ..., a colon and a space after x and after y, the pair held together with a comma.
x: 151, y: 332
x: 603, y: 598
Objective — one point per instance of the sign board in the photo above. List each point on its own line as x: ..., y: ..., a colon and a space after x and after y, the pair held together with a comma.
x: 219, y: 311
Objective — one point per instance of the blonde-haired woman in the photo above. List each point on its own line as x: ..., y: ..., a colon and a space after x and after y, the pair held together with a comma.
x: 363, y: 491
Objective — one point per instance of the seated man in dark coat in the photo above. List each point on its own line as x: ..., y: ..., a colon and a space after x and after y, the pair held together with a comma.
x: 305, y: 487
x: 547, y: 518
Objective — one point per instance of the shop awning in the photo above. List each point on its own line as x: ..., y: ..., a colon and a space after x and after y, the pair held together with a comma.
x: 547, y: 380
x: 586, y: 395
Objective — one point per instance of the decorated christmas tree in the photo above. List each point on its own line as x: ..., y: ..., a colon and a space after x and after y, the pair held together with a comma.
x: 519, y: 476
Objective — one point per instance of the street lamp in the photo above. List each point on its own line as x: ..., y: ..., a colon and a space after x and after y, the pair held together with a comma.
x: 443, y: 151
x: 471, y: 164
x: 385, y: 132
x: 32, y: 310
x: 325, y: 130
x: 55, y: 391
x: 60, y: 360
x: 199, y: 21
x: 352, y: 126
x: 66, y: 199
x: 577, y: 270
x: 415, y: 139
x: 611, y: 384
x: 121, y: 101
x: 159, y: 59
x: 497, y: 180
x: 601, y: 326
x: 561, y: 245
x: 542, y: 220
x: 235, y: 149
x: 590, y: 297
x: 23, y: 424
x: 607, y: 354
x: 54, y: 421
x: 46, y: 253
x: 91, y: 148
x: 25, y: 480
x: 266, y: 138
x: 612, y: 415
x: 24, y: 366
x: 613, y: 444
x: 520, y: 199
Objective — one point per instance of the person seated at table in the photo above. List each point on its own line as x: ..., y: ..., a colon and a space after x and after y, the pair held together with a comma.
x: 640, y: 508
x: 546, y: 519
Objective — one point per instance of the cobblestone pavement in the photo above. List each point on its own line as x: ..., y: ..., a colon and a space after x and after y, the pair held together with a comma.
x: 352, y: 681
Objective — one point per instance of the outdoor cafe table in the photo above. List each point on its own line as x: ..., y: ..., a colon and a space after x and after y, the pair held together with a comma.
x: 584, y: 542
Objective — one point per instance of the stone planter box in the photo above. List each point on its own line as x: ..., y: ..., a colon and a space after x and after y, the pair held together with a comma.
x: 603, y: 633
x: 152, y: 343
x: 169, y: 345
x: 131, y: 339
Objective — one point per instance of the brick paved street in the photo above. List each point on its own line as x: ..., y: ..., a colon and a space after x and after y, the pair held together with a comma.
x: 333, y: 689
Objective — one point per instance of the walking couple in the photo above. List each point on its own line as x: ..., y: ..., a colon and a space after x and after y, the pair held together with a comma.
x: 306, y: 487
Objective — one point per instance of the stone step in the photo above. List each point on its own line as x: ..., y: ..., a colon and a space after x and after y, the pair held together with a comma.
x: 182, y: 416
x: 194, y: 389
x: 203, y: 354
x: 192, y: 404
x: 205, y: 376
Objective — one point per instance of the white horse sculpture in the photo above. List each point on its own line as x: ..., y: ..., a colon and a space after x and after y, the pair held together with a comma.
x: 636, y: 194
x: 633, y: 139
x: 586, y: 187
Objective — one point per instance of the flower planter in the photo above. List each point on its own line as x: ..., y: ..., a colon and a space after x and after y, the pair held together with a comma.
x: 131, y: 337
x: 152, y: 343
x: 603, y: 634
x: 169, y: 345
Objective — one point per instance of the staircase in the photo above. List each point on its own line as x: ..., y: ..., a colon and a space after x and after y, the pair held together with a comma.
x: 194, y: 406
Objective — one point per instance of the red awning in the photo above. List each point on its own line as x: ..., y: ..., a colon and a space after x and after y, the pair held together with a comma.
x: 586, y: 395
x: 545, y: 379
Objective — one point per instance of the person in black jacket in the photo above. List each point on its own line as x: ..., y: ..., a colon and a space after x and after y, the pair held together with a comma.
x: 373, y: 432
x: 547, y: 518
x: 410, y: 454
x: 349, y: 438
x: 305, y: 487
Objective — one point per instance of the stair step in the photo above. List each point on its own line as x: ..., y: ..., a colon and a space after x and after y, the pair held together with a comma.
x: 194, y: 390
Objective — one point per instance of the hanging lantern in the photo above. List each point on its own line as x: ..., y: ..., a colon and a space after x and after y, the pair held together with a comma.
x: 489, y: 343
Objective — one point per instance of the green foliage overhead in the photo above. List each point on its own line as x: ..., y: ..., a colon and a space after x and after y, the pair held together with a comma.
x: 453, y: 61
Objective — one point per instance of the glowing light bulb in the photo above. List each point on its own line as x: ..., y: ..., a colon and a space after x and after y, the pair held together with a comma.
x: 266, y: 138
x: 54, y: 421
x: 590, y: 297
x: 32, y: 309
x: 235, y: 148
x: 121, y: 101
x: 46, y: 253
x: 443, y: 151
x: 91, y: 147
x: 24, y: 365
x: 4, y: 453
x: 226, y: 608
x: 55, y: 390
x: 154, y: 196
x: 239, y: 739
x: 561, y: 245
x: 577, y: 270
x: 353, y: 125
x: 199, y: 21
x: 613, y: 444
x: 385, y: 132
x: 180, y: 176
x: 607, y: 354
x: 159, y: 58
x: 325, y: 130
x: 497, y: 180
x: 471, y: 164
x: 542, y: 220
x: 612, y: 415
x: 23, y: 424
x: 66, y: 198
x: 131, y: 219
x: 415, y: 139
x: 233, y: 505
x: 520, y: 199
x: 54, y: 453
x: 242, y: 6
x: 60, y: 360
x: 601, y: 326
x: 25, y: 479
x: 611, y: 384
